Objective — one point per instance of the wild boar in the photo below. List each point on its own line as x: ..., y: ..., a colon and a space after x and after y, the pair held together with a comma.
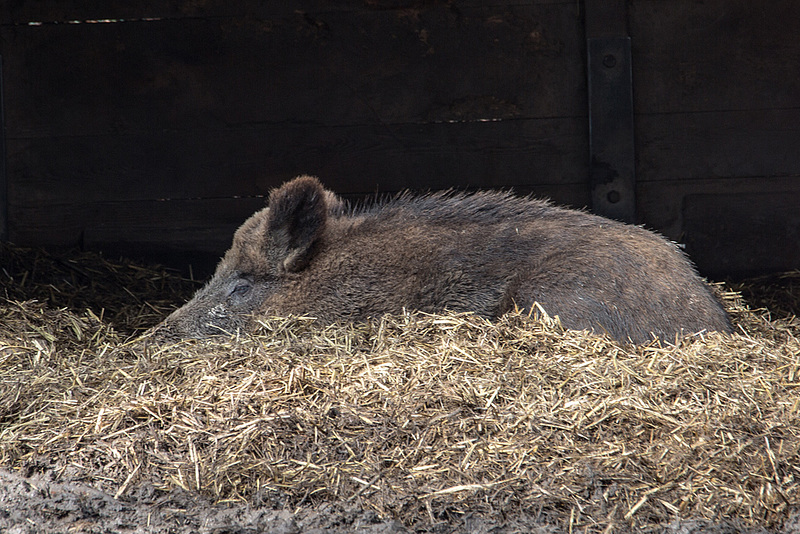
x: 308, y: 253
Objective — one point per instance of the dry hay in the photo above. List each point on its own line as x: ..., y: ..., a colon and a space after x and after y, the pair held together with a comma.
x: 421, y: 418
x: 130, y: 296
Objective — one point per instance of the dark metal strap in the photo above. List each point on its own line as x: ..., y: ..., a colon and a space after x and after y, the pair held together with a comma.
x: 611, y: 142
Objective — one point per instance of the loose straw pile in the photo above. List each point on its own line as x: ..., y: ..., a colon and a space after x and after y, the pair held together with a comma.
x: 421, y: 418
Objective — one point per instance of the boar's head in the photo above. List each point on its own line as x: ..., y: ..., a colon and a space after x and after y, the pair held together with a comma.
x: 271, y: 245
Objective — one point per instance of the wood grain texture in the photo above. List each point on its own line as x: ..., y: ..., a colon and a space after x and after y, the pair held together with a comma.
x: 748, y: 227
x: 661, y: 203
x: 246, y: 162
x: 718, y: 144
x: 58, y: 11
x: 178, y: 232
x: 743, y: 234
x: 329, y: 69
x: 126, y: 117
x: 715, y: 55
x: 205, y: 103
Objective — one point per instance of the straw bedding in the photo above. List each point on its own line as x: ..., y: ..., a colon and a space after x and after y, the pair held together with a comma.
x: 422, y: 419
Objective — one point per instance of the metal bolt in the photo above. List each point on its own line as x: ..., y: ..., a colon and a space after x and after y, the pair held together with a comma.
x: 613, y: 196
x: 609, y: 61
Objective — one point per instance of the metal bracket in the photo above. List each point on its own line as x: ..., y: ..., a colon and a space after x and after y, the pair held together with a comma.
x: 611, y: 142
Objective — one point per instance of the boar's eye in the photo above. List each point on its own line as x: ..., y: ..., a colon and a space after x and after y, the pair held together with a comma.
x: 240, y: 288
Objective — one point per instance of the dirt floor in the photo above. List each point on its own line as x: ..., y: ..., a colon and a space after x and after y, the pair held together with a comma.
x: 36, y: 504
x: 429, y: 424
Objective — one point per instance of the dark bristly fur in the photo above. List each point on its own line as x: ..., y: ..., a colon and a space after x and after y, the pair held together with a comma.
x: 486, y: 253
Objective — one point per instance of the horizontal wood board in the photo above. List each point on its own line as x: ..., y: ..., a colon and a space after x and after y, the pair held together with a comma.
x: 717, y: 104
x: 760, y: 231
x: 116, y: 110
x: 59, y: 11
x: 328, y: 69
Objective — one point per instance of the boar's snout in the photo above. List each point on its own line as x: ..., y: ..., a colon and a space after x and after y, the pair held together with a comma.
x: 221, y: 308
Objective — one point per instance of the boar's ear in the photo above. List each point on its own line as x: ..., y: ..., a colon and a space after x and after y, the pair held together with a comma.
x: 297, y: 217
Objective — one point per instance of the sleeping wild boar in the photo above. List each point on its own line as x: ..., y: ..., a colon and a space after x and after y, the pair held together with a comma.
x: 307, y: 253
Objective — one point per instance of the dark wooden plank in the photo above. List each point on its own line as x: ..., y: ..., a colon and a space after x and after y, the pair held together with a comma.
x: 715, y: 55
x: 430, y: 64
x: 212, y: 107
x: 661, y: 203
x: 663, y: 206
x: 3, y: 173
x: 752, y: 227
x: 743, y: 234
x: 217, y: 100
x: 58, y: 11
x: 717, y: 102
x: 189, y: 235
x: 176, y: 232
x: 606, y: 18
x: 721, y: 145
x: 246, y: 162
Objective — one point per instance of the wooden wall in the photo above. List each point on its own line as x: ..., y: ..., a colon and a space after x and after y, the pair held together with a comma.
x: 717, y: 99
x: 138, y: 126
